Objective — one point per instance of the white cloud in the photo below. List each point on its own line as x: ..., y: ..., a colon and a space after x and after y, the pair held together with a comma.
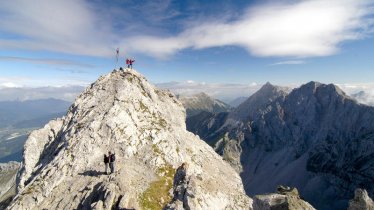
x: 67, y: 93
x: 290, y: 28
x: 67, y: 26
x: 363, y: 93
x: 49, y: 61
x: 222, y: 91
x: 9, y: 85
x: 298, y: 29
x: 30, y: 82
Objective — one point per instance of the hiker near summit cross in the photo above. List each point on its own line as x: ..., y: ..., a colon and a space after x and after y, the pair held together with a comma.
x: 129, y: 62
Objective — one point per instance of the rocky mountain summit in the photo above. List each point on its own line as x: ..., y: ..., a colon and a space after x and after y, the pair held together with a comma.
x: 145, y: 127
x: 195, y: 104
x: 315, y: 138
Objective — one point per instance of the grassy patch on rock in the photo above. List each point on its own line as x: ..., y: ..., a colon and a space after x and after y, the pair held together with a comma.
x: 157, y: 195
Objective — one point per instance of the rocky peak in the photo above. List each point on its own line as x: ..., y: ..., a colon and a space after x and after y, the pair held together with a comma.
x: 285, y: 199
x: 144, y: 126
x: 257, y: 102
x: 320, y: 91
x: 361, y: 201
x: 316, y: 130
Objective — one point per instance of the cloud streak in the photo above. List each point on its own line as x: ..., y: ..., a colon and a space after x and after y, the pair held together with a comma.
x: 301, y: 29
x: 67, y: 26
x: 67, y: 93
x: 49, y: 61
x: 290, y: 62
x: 222, y: 91
x: 287, y: 29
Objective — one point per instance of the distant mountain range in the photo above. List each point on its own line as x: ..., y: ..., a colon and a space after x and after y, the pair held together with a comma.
x: 197, y: 103
x: 13, y: 112
x: 315, y: 138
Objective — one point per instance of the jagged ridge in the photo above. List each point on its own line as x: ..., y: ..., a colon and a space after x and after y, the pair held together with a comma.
x: 315, y: 138
x: 145, y: 126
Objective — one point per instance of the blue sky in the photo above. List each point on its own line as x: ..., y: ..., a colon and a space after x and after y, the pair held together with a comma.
x: 287, y: 42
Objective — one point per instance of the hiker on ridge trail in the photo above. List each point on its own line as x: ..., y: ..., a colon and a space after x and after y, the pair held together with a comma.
x: 180, y: 182
x: 106, y: 163
x: 112, y: 158
x: 180, y: 174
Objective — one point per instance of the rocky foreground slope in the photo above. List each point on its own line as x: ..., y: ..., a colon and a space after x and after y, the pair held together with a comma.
x: 145, y: 127
x: 8, y: 172
x: 315, y: 138
x: 361, y: 201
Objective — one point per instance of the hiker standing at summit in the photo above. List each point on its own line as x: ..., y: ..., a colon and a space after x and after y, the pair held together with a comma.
x: 112, y: 158
x: 129, y: 62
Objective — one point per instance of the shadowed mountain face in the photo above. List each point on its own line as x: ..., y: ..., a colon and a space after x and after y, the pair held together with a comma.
x: 237, y: 101
x: 315, y: 138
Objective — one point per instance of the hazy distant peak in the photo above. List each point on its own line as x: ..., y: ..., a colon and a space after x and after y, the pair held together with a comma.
x: 194, y: 104
x: 202, y: 94
x: 265, y: 95
x: 313, y: 87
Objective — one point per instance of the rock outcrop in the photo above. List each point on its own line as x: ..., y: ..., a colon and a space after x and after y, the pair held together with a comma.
x: 361, y: 201
x: 284, y: 199
x: 315, y: 138
x: 145, y: 127
x: 8, y: 172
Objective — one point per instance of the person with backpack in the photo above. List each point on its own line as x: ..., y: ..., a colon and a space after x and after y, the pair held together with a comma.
x: 112, y: 158
x: 106, y: 163
x: 180, y: 183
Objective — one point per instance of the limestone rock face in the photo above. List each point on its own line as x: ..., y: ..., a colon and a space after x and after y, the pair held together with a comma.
x: 315, y: 138
x: 145, y: 127
x: 361, y: 201
x: 8, y: 172
x: 284, y: 199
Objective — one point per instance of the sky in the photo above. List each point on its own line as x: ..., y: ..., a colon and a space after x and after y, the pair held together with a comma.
x: 224, y: 47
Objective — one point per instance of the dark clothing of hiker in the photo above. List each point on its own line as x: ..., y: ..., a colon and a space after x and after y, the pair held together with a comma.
x: 112, y: 159
x: 106, y: 163
x: 181, y: 189
x: 180, y: 176
x: 180, y: 184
